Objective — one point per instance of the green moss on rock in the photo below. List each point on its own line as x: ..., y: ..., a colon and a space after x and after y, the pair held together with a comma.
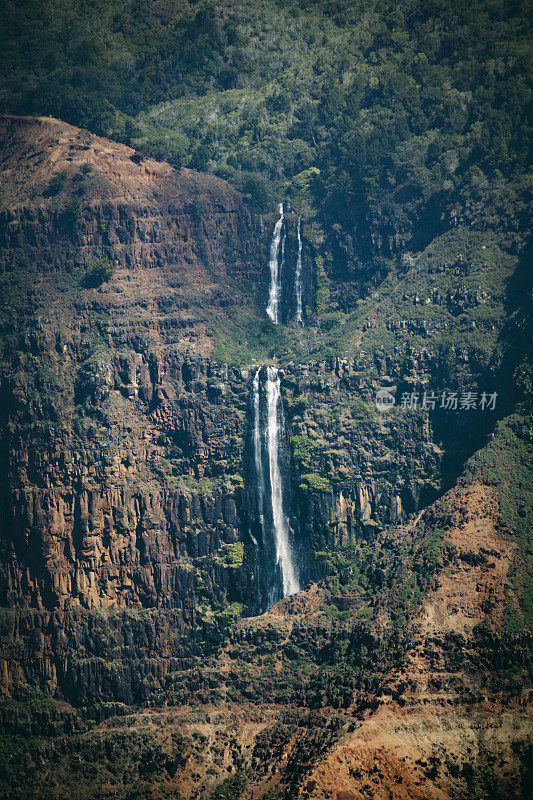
x: 311, y: 482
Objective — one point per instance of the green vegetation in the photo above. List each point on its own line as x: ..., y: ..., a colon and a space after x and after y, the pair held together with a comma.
x: 451, y: 294
x: 230, y: 613
x: 100, y: 271
x: 303, y: 448
x: 234, y: 555
x: 322, y: 284
x: 70, y: 216
x: 311, y: 482
x: 506, y: 463
x: 56, y: 184
x: 256, y: 191
x: 295, y: 407
x: 247, y: 338
x: 341, y: 100
x: 230, y: 788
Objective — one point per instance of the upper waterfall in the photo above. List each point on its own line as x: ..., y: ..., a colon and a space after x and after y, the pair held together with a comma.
x: 267, y: 445
x: 298, y: 277
x: 277, y: 254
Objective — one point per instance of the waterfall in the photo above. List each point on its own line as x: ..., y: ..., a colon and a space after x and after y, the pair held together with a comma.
x: 298, y: 277
x: 258, y: 460
x: 277, y: 253
x: 281, y: 523
x: 267, y: 446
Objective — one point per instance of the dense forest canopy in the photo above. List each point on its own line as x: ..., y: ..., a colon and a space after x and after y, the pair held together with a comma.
x: 348, y: 101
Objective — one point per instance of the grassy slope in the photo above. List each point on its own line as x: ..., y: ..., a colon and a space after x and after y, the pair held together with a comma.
x: 506, y: 463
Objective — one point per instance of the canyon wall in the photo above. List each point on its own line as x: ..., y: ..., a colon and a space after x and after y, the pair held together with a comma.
x: 128, y: 572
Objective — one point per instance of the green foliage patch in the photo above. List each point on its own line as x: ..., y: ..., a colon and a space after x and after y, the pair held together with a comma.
x: 100, y: 271
x: 230, y: 613
x: 230, y: 788
x: 234, y: 555
x: 506, y: 463
x: 303, y: 448
x: 56, y: 184
x: 312, y: 482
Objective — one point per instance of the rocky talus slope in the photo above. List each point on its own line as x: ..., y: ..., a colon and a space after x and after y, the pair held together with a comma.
x: 131, y: 662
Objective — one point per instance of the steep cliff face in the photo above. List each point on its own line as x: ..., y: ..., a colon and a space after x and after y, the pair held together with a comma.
x: 127, y: 523
x: 183, y: 243
x: 123, y: 439
x: 329, y: 694
x: 120, y: 436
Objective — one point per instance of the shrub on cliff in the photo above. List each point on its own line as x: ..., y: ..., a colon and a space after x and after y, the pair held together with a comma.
x: 322, y: 285
x: 56, y: 184
x: 312, y: 482
x: 99, y: 272
x: 230, y: 788
x: 235, y: 555
x: 256, y: 191
x: 71, y: 214
x: 230, y: 613
x: 303, y: 449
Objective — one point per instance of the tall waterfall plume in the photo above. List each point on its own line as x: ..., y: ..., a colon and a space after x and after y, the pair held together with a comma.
x: 257, y: 449
x: 298, y: 277
x: 276, y: 262
x: 281, y: 578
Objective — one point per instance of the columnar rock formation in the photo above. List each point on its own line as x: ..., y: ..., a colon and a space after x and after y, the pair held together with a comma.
x: 137, y: 472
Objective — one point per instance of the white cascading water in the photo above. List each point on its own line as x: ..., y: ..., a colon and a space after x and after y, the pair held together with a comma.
x: 258, y: 461
x: 298, y: 278
x: 267, y: 447
x: 277, y: 252
x: 281, y: 523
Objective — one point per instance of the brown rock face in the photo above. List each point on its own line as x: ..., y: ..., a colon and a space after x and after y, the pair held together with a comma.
x: 179, y: 241
x: 123, y: 439
x: 120, y: 435
x: 125, y: 548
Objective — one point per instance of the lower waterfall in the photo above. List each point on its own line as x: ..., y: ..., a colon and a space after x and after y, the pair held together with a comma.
x: 281, y: 577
